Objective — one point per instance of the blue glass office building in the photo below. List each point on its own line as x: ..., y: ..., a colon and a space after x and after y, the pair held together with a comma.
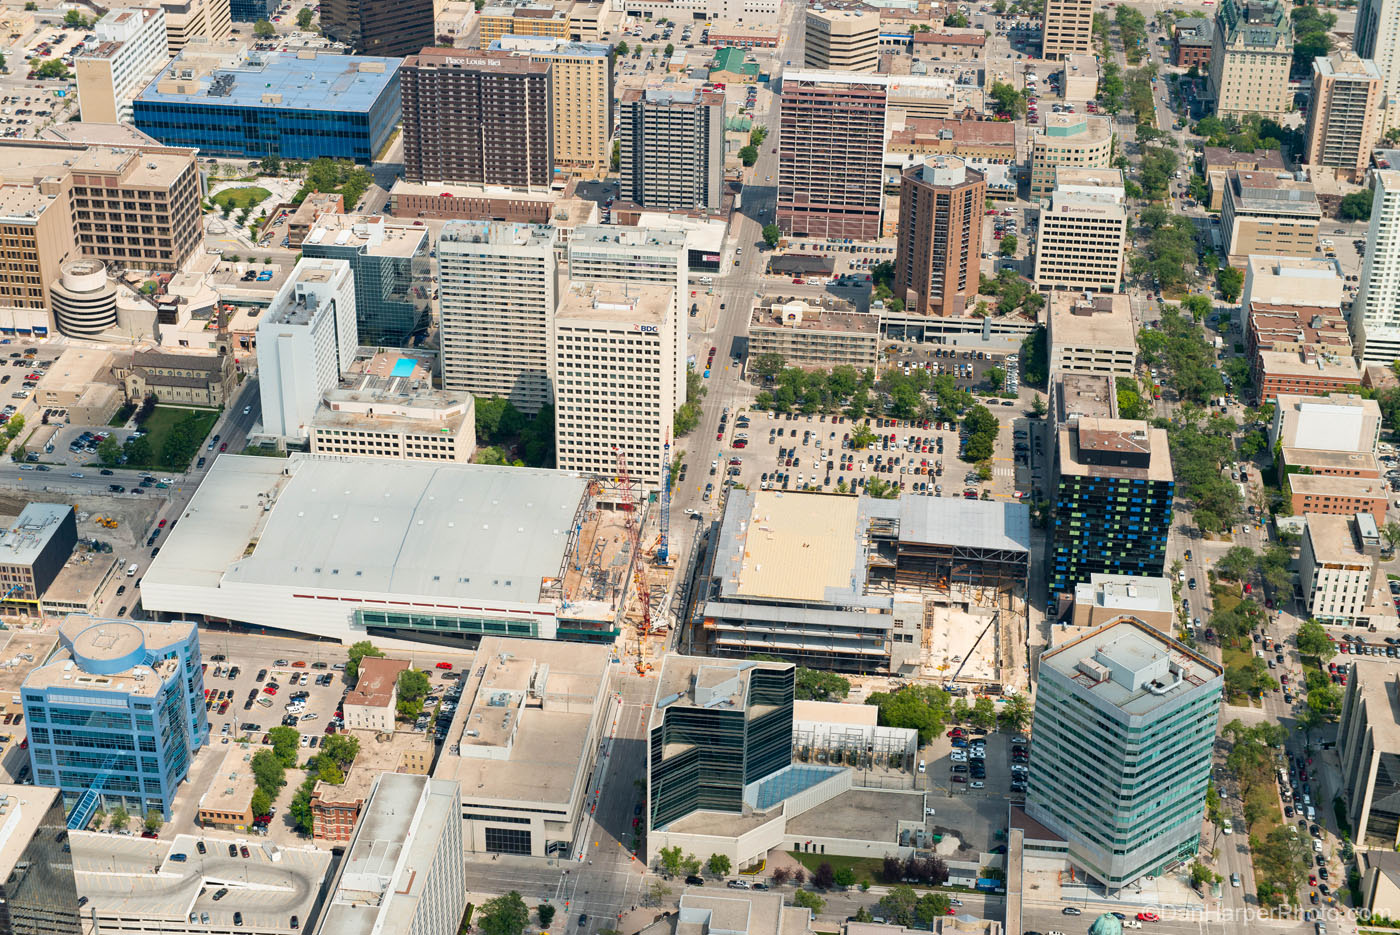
x: 117, y: 720
x: 275, y: 104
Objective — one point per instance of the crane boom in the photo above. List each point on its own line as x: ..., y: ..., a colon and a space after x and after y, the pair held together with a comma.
x: 663, y: 548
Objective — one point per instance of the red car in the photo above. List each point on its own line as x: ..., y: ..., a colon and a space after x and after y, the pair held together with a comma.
x: 299, y: 664
x: 223, y: 446
x: 445, y: 665
x: 161, y: 524
x: 1147, y: 917
x: 269, y: 690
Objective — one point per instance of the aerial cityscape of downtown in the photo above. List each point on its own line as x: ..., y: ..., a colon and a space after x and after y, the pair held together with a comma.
x: 699, y: 467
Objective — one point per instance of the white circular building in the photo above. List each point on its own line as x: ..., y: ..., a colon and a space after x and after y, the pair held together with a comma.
x: 84, y: 300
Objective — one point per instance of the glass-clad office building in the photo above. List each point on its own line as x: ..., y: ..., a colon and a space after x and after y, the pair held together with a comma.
x: 718, y: 726
x: 275, y: 104
x: 38, y: 892
x: 117, y: 719
x: 392, y: 270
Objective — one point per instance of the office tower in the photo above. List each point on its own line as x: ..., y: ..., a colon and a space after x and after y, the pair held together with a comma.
x: 1270, y: 214
x: 581, y: 97
x: 615, y: 390
x: 423, y: 888
x: 222, y: 101
x: 1080, y: 141
x: 391, y: 269
x: 130, y: 48
x: 482, y: 118
x: 1083, y: 234
x: 842, y: 40
x: 1368, y: 746
x: 392, y: 28
x: 250, y: 11
x: 38, y: 890
x: 1092, y: 333
x: 641, y: 255
x: 33, y: 550
x: 1338, y: 567
x: 36, y: 236
x: 1344, y: 114
x: 1374, y: 38
x: 830, y: 148
x: 306, y: 341
x: 1251, y: 58
x: 187, y: 21
x: 498, y: 285
x: 672, y: 147
x: 938, y: 260
x: 717, y: 725
x: 1375, y: 317
x: 1124, y: 727
x: 1113, y: 501
x: 116, y: 719
x: 1068, y: 29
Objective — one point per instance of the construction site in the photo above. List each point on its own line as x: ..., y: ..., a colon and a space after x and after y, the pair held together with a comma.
x: 919, y: 587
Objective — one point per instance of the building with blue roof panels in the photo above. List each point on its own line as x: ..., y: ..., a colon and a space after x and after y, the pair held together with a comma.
x: 236, y: 103
x: 117, y: 717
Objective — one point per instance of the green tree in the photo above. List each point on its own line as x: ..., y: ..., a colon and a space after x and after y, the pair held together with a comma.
x: 545, y: 913
x: 718, y: 865
x: 772, y: 233
x: 622, y: 49
x: 898, y: 905
x: 766, y: 365
x: 1238, y: 563
x: 748, y: 155
x: 671, y: 859
x: 304, y: 17
x: 340, y: 748
x: 413, y: 688
x: 1356, y: 206
x: 263, y: 29
x: 1230, y: 281
x: 670, y: 50
x: 1038, y: 406
x: 329, y: 773
x: 996, y: 378
x: 504, y: 915
x: 52, y: 70
x: 814, y: 685
x: 845, y: 877
x: 1016, y: 712
x: 284, y: 744
x: 300, y: 807
x: 862, y: 437
x: 984, y: 713
x: 1008, y: 245
x: 930, y: 908
x: 1008, y: 101
x: 118, y: 819
x: 806, y: 899
x: 154, y: 819
x: 955, y: 20
x: 109, y: 451
x: 139, y: 452
x: 268, y: 772
x: 1035, y: 358
x: 924, y: 708
x: 260, y: 803
x: 357, y: 652
x: 615, y: 160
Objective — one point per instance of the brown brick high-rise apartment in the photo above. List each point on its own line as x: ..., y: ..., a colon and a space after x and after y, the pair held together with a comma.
x: 937, y: 265
x: 475, y: 118
x: 831, y: 140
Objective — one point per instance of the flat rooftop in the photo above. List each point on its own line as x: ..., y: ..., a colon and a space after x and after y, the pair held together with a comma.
x: 119, y: 656
x: 1331, y: 460
x: 280, y: 81
x: 1127, y: 593
x: 1332, y: 485
x: 959, y: 131
x: 1087, y: 436
x: 1130, y: 666
x: 125, y: 877
x: 1097, y: 321
x: 375, y: 757
x: 1379, y: 685
x: 1263, y: 192
x: 860, y: 814
x: 607, y: 235
x: 385, y: 871
x: 371, y: 234
x: 373, y: 527
x: 615, y: 303
x: 701, y: 682
x: 1322, y: 364
x: 1333, y: 540
x: 293, y: 307
x: 738, y: 913
x: 154, y: 166
x: 497, y: 233
x: 800, y: 315
x: 1081, y: 129
x: 1294, y: 281
x: 799, y: 547
x: 499, y: 62
x: 976, y: 524
x: 231, y: 788
x: 1084, y: 394
x: 25, y: 807
x: 24, y: 539
x: 521, y: 731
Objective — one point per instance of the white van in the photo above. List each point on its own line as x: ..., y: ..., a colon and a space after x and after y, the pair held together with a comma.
x: 131, y: 570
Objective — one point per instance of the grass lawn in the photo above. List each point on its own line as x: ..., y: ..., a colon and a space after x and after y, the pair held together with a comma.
x: 866, y: 869
x: 163, y: 418
x: 239, y: 198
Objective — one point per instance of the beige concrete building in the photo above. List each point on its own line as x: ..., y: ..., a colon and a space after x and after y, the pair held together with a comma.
x: 948, y: 45
x: 1250, y: 59
x: 36, y: 238
x: 1338, y: 565
x: 527, y: 19
x: 615, y: 391
x: 81, y: 381
x: 1217, y: 161
x: 977, y: 141
x: 1104, y: 598
x: 1092, y: 334
x: 133, y: 207
x: 228, y: 801
x: 129, y: 50
x: 373, y: 703
x: 581, y: 97
x: 1068, y: 29
x: 370, y: 420
x: 1380, y: 883
x: 1081, y: 78
x: 807, y: 335
x: 188, y: 21
x: 842, y: 40
x: 1268, y: 214
x: 1344, y: 114
x: 1082, y: 141
x: 1083, y: 233
x: 193, y: 379
x: 1336, y: 422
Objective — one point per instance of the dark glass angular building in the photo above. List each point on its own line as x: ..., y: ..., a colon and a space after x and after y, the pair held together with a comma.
x: 39, y: 895
x: 1113, y: 501
x: 379, y: 27
x: 718, y: 726
x: 392, y: 269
